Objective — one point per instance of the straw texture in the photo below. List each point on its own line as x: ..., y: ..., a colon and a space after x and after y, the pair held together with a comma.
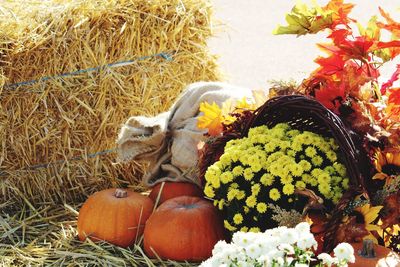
x: 70, y: 117
x: 44, y: 236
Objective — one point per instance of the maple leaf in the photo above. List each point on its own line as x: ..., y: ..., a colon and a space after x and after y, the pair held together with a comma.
x: 331, y: 95
x: 389, y: 83
x: 330, y: 65
x: 394, y: 96
x: 339, y: 11
x: 372, y: 31
x: 303, y: 20
x: 391, y: 25
x: 211, y: 119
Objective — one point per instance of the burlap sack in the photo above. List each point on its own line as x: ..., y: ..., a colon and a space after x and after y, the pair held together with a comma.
x: 169, y: 140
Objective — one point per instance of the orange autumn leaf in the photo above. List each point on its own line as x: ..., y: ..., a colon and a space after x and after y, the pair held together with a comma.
x: 340, y: 11
x: 391, y: 24
x: 211, y: 119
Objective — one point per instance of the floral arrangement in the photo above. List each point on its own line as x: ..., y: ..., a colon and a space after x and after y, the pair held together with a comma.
x: 272, y: 170
x: 349, y: 83
x: 280, y: 246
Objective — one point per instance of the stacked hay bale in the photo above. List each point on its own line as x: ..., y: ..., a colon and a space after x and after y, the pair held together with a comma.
x: 62, y: 104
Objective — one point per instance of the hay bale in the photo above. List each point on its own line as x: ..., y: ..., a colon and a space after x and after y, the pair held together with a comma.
x: 62, y: 120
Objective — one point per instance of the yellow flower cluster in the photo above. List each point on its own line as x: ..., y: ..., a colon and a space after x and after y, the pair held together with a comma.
x: 272, y: 166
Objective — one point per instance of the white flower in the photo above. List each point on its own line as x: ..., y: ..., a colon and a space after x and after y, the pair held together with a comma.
x: 289, y: 236
x: 301, y: 265
x: 302, y: 227
x: 219, y: 247
x: 253, y: 251
x: 243, y: 239
x: 286, y: 248
x: 326, y: 259
x: 264, y: 260
x: 344, y: 251
x: 307, y: 241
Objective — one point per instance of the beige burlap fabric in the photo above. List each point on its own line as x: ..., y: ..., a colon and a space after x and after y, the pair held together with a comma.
x: 169, y: 141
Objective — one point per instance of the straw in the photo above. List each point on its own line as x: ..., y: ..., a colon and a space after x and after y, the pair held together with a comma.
x: 48, y: 237
x: 73, y: 116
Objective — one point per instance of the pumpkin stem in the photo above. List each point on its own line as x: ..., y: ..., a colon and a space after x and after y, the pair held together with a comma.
x: 120, y: 193
x: 368, y: 250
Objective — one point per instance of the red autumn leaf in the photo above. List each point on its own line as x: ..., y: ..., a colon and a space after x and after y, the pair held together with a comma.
x: 394, y: 96
x: 330, y: 65
x: 388, y: 84
x: 357, y: 49
x: 331, y: 95
x: 339, y: 36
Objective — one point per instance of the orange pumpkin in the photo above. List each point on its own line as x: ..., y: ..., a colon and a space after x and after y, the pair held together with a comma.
x: 384, y: 257
x: 114, y: 215
x: 174, y: 189
x: 183, y: 229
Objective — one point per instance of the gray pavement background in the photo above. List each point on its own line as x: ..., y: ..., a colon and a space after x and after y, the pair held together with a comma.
x: 250, y: 54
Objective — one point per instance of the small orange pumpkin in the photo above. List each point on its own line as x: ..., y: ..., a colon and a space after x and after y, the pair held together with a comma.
x: 183, y: 229
x: 384, y: 257
x: 114, y: 215
x: 174, y: 189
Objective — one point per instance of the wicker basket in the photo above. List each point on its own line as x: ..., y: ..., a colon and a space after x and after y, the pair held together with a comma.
x: 305, y: 114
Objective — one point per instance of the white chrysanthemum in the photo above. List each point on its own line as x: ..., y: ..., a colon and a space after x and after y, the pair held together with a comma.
x: 303, y: 227
x: 344, y: 251
x: 287, y: 248
x: 213, y: 262
x: 264, y: 260
x: 254, y: 251
x: 289, y: 236
x: 301, y: 265
x: 307, y: 241
x: 243, y: 239
x: 219, y: 247
x: 326, y: 259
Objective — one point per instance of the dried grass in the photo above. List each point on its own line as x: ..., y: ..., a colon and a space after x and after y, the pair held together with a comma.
x: 47, y: 236
x: 60, y: 119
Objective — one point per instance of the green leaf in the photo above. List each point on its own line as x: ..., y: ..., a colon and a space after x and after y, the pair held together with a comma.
x: 304, y: 19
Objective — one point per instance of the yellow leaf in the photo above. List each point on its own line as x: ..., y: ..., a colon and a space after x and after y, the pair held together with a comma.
x: 211, y: 119
x: 260, y: 97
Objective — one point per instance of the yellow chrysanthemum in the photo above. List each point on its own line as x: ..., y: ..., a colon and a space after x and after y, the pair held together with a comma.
x: 229, y: 226
x: 300, y: 185
x: 261, y: 207
x: 254, y: 230
x: 238, y: 218
x: 248, y: 174
x: 288, y: 189
x: 209, y: 191
x: 274, y: 194
x: 237, y: 171
x: 244, y: 229
x: 255, y: 189
x: 267, y: 179
x: 240, y: 195
x: 310, y: 152
x: 305, y: 165
x: 317, y: 160
x: 226, y: 177
x: 251, y: 201
x: 232, y: 194
x: 296, y: 169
